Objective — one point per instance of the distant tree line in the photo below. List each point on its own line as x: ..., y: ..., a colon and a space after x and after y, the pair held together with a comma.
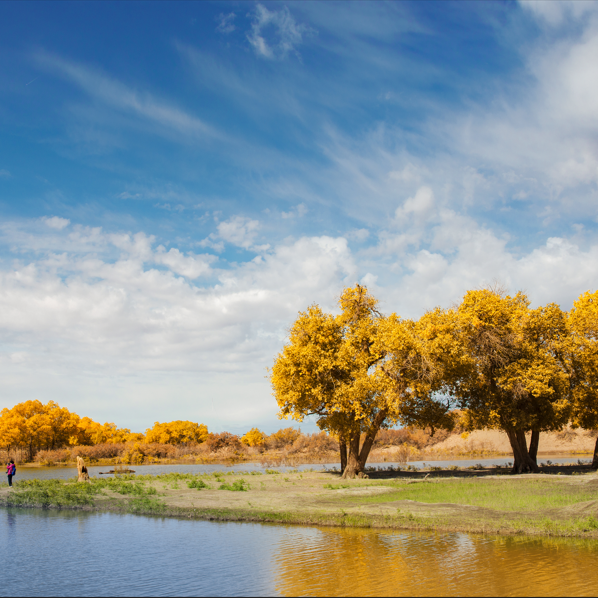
x: 45, y: 431
x: 33, y: 426
x: 490, y: 362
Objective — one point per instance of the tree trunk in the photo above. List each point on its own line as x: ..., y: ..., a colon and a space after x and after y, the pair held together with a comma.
x: 523, y: 463
x: 370, y: 437
x: 353, y: 465
x: 595, y: 459
x: 82, y: 470
x: 357, y: 459
x: 342, y: 443
x: 533, y: 446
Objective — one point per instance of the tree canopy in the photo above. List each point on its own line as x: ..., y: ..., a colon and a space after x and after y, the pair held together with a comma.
x: 360, y: 371
x: 499, y: 362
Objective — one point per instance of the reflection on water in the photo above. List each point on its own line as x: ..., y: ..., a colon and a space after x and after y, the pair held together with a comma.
x: 334, y: 562
x: 84, y: 554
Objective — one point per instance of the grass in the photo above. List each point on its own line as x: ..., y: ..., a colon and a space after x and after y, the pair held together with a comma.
x: 197, y: 484
x: 236, y: 486
x: 69, y: 494
x: 544, y: 505
x: 526, y: 495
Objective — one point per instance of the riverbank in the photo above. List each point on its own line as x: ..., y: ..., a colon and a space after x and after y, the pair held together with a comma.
x: 561, y: 502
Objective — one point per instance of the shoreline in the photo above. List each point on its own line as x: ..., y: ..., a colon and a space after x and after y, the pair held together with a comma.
x: 291, y: 461
x: 546, y: 504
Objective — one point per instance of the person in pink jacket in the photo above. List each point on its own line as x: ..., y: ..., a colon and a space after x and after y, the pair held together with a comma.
x: 11, y: 469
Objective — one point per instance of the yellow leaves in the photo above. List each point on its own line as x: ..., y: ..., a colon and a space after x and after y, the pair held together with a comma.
x: 177, y: 432
x: 582, y: 321
x: 254, y: 438
x: 328, y: 366
x: 505, y: 363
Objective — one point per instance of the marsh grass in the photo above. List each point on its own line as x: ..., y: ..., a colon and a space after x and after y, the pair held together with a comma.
x: 57, y: 493
x: 69, y: 493
x: 146, y: 505
x: 237, y: 486
x: 502, y: 495
x: 197, y: 484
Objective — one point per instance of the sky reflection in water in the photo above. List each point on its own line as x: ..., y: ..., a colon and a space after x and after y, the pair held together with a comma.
x: 83, y: 554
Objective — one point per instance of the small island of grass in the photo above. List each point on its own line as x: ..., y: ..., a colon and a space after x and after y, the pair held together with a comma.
x: 483, y: 501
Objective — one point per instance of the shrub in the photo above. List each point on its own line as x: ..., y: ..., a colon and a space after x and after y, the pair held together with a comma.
x: 197, y: 484
x: 314, y: 443
x: 236, y: 486
x: 392, y: 437
x: 413, y: 436
x: 283, y: 438
x: 106, y: 450
x: 52, y: 457
x: 224, y: 440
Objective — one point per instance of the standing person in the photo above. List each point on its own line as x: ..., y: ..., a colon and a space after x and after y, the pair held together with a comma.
x: 11, y: 469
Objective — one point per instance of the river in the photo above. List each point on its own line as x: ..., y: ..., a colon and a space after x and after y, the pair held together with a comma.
x: 44, y: 473
x: 49, y: 553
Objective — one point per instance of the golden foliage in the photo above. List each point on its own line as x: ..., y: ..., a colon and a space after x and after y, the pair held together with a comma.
x: 254, y: 438
x: 582, y: 321
x: 177, y: 432
x: 284, y: 437
x: 34, y: 426
x: 491, y: 361
x: 358, y: 372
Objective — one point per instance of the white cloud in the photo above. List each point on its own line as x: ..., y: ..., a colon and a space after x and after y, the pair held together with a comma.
x: 225, y: 23
x: 189, y: 266
x: 419, y: 205
x: 118, y: 316
x: 239, y: 230
x: 555, y: 12
x: 298, y: 211
x: 121, y: 97
x: 56, y: 222
x: 285, y: 33
x: 4, y: 173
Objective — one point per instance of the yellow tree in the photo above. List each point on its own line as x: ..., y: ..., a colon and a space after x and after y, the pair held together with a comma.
x: 583, y: 327
x: 328, y: 369
x: 88, y: 432
x: 10, y: 429
x: 517, y: 378
x: 33, y: 424
x: 177, y: 432
x: 62, y: 425
x: 254, y: 438
x: 422, y: 360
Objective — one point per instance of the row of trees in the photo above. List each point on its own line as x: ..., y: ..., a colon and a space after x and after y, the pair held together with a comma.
x: 492, y: 358
x: 34, y: 426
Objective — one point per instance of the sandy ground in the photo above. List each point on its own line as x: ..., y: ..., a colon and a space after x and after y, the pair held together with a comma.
x: 570, y: 441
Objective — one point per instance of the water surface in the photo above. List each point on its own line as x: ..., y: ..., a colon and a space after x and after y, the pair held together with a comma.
x: 44, y: 473
x: 88, y: 554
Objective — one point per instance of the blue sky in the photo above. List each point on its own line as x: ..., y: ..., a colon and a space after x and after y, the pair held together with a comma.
x: 178, y: 180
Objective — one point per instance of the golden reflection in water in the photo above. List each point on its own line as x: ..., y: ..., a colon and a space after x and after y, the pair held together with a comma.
x: 352, y: 562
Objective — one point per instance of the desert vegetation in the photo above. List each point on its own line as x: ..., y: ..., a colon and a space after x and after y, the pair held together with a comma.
x: 52, y: 435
